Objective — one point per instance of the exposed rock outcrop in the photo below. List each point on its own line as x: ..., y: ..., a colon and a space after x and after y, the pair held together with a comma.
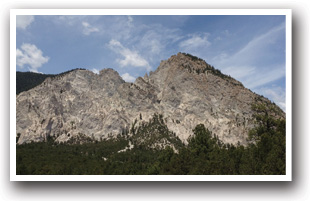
x: 184, y: 89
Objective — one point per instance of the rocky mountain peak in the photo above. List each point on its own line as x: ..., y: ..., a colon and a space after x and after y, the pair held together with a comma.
x: 184, y: 61
x: 109, y: 72
x: 181, y: 62
x: 184, y: 90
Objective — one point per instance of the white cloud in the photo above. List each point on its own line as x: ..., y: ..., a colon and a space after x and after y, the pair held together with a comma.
x: 258, y: 46
x: 131, y: 57
x: 128, y: 78
x: 94, y: 70
x: 23, y: 21
x: 262, y: 77
x: 157, y: 42
x: 79, y: 22
x: 151, y: 42
x: 30, y: 55
x: 195, y: 41
x: 239, y: 72
x: 88, y: 29
x: 252, y: 77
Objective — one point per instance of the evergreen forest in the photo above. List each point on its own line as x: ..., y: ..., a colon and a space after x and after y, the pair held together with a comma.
x: 204, y: 154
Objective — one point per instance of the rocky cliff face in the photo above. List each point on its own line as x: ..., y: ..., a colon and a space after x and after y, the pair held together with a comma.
x: 184, y: 89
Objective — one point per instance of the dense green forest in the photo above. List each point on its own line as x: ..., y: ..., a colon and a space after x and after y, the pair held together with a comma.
x: 204, y: 154
x: 28, y: 80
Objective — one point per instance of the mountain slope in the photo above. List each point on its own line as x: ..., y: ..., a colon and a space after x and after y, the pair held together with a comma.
x: 184, y: 89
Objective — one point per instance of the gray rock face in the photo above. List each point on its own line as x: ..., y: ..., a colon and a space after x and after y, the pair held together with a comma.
x: 184, y: 90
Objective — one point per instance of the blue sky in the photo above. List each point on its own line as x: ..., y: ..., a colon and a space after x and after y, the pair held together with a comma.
x: 249, y: 48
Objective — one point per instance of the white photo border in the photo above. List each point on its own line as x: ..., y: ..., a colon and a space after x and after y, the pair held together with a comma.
x: 286, y: 177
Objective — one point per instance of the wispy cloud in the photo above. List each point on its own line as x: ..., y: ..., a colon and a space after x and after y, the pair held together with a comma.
x: 155, y: 39
x: 119, y: 27
x: 30, y: 55
x: 152, y: 42
x: 81, y: 23
x: 131, y: 57
x: 147, y: 40
x: 128, y: 78
x: 256, y: 48
x: 71, y: 20
x: 240, y: 72
x: 249, y: 63
x: 195, y: 41
x: 266, y: 76
x: 88, y: 29
x: 253, y: 77
x: 255, y: 65
x: 250, y: 52
x: 23, y: 21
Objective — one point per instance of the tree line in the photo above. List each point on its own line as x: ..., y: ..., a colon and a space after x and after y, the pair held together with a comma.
x: 204, y: 154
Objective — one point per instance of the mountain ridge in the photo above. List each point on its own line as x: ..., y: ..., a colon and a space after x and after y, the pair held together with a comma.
x: 184, y: 89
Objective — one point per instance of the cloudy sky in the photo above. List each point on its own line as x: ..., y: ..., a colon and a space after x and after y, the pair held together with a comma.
x: 249, y: 48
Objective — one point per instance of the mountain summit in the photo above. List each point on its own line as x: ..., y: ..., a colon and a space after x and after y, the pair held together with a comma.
x: 184, y: 90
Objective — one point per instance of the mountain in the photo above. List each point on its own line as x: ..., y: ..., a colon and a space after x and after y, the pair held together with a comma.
x: 184, y: 91
x: 29, y: 80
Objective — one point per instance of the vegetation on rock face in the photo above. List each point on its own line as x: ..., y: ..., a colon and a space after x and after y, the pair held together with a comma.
x: 105, y: 104
x: 205, y: 154
x: 29, y: 80
x: 194, y: 58
x: 208, y: 69
x: 150, y: 147
x: 155, y: 134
